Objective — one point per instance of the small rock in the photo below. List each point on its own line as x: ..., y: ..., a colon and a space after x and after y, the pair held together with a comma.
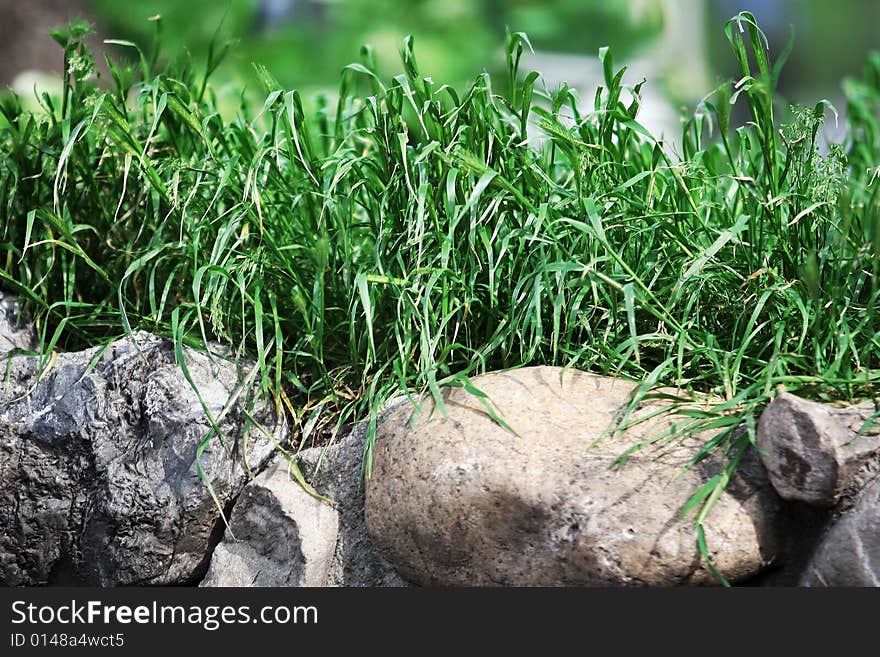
x: 813, y: 452
x: 278, y: 535
x: 356, y: 561
x: 464, y: 501
x: 849, y: 552
x: 14, y: 332
x: 100, y: 460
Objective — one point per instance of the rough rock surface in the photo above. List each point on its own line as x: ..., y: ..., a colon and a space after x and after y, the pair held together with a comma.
x: 278, y: 535
x: 14, y: 333
x: 356, y: 561
x: 463, y: 501
x: 813, y: 452
x: 99, y: 480
x: 849, y: 552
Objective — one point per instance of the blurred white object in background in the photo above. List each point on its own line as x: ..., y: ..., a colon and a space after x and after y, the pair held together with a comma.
x: 674, y: 65
x: 31, y: 84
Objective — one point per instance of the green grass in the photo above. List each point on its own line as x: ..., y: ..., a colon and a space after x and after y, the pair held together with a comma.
x: 408, y: 235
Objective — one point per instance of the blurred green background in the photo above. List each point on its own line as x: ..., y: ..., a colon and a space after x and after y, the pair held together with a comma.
x: 678, y: 45
x: 305, y: 43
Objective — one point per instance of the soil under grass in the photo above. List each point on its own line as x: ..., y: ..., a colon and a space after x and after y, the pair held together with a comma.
x: 405, y: 235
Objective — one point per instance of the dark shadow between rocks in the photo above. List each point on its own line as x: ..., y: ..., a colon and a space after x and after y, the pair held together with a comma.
x: 214, y: 539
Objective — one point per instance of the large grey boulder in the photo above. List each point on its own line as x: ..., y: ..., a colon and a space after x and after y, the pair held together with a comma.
x: 849, y: 552
x: 814, y: 452
x: 107, y: 470
x: 15, y: 332
x: 279, y: 534
x: 463, y: 501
